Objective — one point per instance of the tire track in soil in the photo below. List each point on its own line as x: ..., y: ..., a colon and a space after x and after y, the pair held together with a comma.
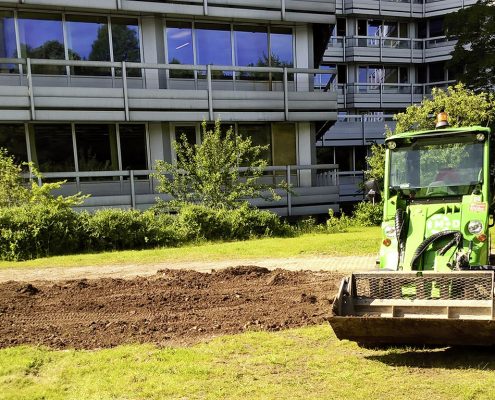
x: 170, y: 307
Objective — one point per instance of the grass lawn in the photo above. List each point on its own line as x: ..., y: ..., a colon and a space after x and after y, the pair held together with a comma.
x: 307, y: 363
x: 358, y: 241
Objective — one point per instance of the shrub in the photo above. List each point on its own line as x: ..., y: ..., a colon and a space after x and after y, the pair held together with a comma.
x: 368, y: 214
x: 338, y: 224
x: 39, y: 230
x: 201, y: 222
x: 114, y: 229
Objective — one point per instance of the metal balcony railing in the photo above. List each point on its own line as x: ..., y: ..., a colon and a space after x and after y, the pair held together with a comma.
x: 310, y: 184
x: 163, y: 76
x: 387, y: 92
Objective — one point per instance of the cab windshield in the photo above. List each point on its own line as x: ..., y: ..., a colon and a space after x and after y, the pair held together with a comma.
x: 430, y: 167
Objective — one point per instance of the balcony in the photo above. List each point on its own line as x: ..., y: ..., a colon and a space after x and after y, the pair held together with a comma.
x: 311, y: 11
x: 358, y: 130
x: 162, y: 92
x: 385, y: 95
x: 386, y: 49
x: 402, y: 8
x: 396, y: 8
x: 136, y: 189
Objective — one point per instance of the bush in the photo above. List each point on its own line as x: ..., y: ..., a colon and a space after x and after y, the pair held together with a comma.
x: 39, y: 231
x: 200, y: 222
x: 368, y: 214
x: 338, y: 224
x: 114, y: 229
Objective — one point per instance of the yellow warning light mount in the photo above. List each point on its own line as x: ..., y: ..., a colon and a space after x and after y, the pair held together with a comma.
x: 442, y: 120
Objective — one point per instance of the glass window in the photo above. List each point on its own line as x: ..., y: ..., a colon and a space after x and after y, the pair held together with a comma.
x: 13, y: 139
x: 96, y: 147
x: 251, y: 50
x: 390, y: 29
x: 180, y: 47
x: 360, y: 153
x: 7, y: 41
x: 189, y: 132
x: 281, y: 47
x: 260, y: 136
x: 391, y: 75
x: 53, y: 150
x: 374, y: 27
x: 437, y: 71
x: 436, y: 27
x: 281, y: 54
x: 126, y: 43
x: 284, y: 144
x: 325, y: 155
x: 213, y: 46
x: 341, y: 27
x: 41, y: 36
x: 133, y: 146
x: 361, y: 27
x: 343, y: 157
x: 88, y: 40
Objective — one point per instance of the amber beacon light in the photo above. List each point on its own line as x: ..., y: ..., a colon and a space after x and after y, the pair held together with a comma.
x: 442, y: 120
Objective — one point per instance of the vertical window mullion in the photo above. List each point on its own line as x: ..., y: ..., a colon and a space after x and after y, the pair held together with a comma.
x: 66, y: 44
x: 110, y: 43
x: 195, y: 58
x: 28, y: 142
x: 74, y: 147
x: 232, y: 51
x: 119, y: 152
x: 18, y: 42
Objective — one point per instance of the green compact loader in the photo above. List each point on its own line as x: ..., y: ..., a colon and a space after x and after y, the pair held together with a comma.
x: 434, y: 284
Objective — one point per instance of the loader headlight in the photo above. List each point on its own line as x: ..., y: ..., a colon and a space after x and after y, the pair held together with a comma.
x: 390, y: 231
x: 475, y: 226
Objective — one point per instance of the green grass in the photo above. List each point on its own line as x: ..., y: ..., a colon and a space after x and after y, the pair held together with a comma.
x: 308, y: 363
x: 358, y: 241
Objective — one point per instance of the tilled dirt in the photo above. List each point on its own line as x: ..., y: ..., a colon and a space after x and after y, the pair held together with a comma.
x: 171, y: 307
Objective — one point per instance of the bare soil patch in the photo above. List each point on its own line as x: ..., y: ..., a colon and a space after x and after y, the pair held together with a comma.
x: 170, y: 307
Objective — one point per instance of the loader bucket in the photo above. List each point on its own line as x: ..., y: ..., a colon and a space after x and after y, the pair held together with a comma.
x: 417, y: 308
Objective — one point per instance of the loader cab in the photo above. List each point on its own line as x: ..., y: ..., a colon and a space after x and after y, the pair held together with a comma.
x: 432, y: 166
x: 437, y: 182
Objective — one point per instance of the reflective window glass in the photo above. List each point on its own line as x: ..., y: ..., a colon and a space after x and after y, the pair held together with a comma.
x: 133, y: 146
x: 13, y: 139
x: 96, y: 147
x: 53, y: 150
x: 260, y: 135
x: 284, y: 144
x: 41, y: 36
x: 251, y: 46
x: 390, y: 29
x: 281, y: 47
x: 374, y: 28
x: 180, y: 47
x: 88, y: 40
x: 7, y: 41
x: 213, y: 46
x: 126, y: 43
x: 281, y: 52
x: 251, y: 50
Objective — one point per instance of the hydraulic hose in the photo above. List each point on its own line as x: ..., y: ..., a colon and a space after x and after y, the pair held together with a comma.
x: 456, y: 240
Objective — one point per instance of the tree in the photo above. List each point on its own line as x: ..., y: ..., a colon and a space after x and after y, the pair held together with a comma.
x: 14, y: 191
x: 464, y: 107
x: 209, y: 173
x: 474, y: 53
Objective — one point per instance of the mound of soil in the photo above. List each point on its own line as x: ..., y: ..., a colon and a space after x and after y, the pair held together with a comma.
x: 171, y: 307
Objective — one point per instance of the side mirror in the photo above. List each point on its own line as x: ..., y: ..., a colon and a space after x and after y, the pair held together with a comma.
x: 372, y: 191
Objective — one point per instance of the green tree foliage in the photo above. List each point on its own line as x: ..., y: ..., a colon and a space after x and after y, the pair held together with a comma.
x: 209, y: 174
x: 14, y: 191
x: 464, y: 107
x: 474, y: 53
